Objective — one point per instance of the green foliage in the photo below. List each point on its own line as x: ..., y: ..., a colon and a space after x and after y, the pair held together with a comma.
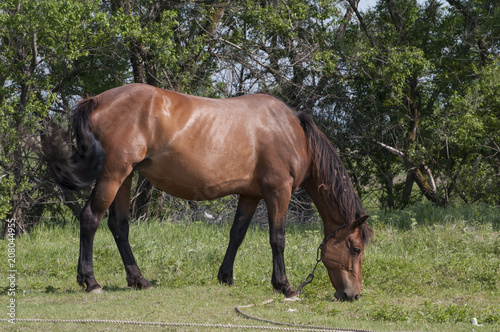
x: 470, y: 130
x: 425, y: 92
x: 6, y: 183
x: 472, y: 117
x: 155, y: 35
x: 418, y: 77
x: 46, y: 45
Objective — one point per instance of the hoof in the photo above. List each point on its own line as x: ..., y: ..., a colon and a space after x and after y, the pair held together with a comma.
x: 290, y: 293
x: 225, y: 279
x: 141, y: 283
x: 145, y: 285
x: 92, y: 285
x: 226, y: 282
x: 135, y: 278
x: 95, y: 291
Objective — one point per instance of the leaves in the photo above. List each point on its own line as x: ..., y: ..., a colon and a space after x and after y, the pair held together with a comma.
x: 420, y: 78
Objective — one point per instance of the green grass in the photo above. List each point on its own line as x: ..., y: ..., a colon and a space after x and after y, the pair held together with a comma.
x: 427, y: 269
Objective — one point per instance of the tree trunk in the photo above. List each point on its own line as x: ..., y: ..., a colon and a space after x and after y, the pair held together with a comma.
x: 405, y: 197
x: 389, y: 187
x: 354, y: 6
x: 345, y: 21
x: 423, y: 184
x: 415, y: 175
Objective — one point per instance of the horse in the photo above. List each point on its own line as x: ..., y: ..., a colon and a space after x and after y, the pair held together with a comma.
x: 198, y: 148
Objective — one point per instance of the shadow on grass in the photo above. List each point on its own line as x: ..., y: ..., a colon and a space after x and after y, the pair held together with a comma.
x: 58, y: 290
x: 115, y: 288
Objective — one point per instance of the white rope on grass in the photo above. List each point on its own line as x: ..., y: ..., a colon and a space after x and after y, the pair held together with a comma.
x: 163, y: 324
x: 280, y: 326
x: 295, y: 326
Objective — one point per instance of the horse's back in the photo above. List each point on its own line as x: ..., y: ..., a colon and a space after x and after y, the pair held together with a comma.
x: 201, y: 148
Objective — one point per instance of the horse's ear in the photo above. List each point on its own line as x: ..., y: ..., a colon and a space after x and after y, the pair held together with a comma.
x: 360, y: 221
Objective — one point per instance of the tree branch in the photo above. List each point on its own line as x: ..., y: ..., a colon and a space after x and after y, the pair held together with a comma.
x: 383, y: 145
x: 345, y: 21
x: 354, y: 6
x: 397, y: 19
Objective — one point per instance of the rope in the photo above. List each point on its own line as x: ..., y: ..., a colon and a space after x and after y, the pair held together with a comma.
x: 295, y: 327
x: 280, y: 327
x: 163, y: 324
x: 310, y: 277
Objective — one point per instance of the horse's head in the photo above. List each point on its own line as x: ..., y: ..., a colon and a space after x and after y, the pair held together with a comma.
x: 342, y: 256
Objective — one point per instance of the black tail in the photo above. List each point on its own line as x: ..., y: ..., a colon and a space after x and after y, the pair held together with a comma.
x: 87, y: 162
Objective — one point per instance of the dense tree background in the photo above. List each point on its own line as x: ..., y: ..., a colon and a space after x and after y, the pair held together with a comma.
x: 408, y: 91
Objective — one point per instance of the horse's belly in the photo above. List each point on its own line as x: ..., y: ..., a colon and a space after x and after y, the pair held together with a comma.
x: 199, y: 179
x: 174, y: 188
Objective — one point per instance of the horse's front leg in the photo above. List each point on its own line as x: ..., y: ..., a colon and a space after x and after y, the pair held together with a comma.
x: 277, y: 207
x: 244, y: 214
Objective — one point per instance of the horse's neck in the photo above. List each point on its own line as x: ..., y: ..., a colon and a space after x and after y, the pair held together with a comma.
x: 328, y: 210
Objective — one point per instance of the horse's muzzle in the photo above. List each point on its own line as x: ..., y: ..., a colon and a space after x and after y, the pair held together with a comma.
x: 343, y: 296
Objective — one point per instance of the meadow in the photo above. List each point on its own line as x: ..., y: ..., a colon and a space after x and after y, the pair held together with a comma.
x: 427, y: 269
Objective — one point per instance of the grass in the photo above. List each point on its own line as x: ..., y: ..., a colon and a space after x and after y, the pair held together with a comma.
x: 427, y: 269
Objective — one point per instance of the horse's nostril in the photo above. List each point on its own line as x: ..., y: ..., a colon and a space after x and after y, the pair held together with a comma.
x: 343, y: 296
x: 340, y: 296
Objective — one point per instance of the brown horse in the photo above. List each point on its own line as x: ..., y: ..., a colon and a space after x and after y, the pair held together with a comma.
x: 201, y: 149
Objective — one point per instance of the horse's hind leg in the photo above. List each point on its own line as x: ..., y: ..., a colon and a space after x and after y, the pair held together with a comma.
x: 119, y: 226
x: 244, y: 213
x: 90, y: 218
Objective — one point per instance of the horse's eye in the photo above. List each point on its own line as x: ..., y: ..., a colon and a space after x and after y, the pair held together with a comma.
x: 356, y: 251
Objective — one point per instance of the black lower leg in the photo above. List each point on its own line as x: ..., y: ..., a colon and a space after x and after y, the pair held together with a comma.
x: 279, y: 279
x: 244, y: 213
x: 85, y: 273
x: 120, y: 229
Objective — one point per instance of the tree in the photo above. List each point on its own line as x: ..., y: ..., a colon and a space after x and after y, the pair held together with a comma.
x: 45, y: 46
x: 406, y: 91
x: 170, y: 45
x: 414, y: 60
